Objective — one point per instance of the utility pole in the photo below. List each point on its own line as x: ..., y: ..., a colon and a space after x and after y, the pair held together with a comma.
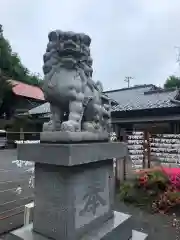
x: 178, y: 55
x: 127, y: 79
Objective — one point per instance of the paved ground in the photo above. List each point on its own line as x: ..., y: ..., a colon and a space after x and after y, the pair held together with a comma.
x: 156, y: 226
x: 14, y: 191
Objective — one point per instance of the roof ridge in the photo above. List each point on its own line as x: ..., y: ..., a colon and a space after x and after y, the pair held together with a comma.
x: 130, y: 88
x: 23, y: 83
x: 159, y: 90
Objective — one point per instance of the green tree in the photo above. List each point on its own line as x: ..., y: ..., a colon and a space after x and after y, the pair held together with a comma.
x: 172, y: 82
x: 11, y: 65
x: 6, y: 97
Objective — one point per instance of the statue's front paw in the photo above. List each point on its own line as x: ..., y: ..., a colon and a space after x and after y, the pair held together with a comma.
x: 68, y: 126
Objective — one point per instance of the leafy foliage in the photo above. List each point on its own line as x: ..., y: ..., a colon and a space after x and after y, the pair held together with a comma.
x: 6, y: 97
x: 172, y: 82
x: 11, y: 65
x: 152, y: 190
x: 6, y: 86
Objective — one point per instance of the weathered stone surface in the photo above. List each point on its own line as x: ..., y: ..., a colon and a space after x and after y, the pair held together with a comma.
x: 71, y: 154
x: 74, y: 186
x: 77, y: 102
x: 70, y: 201
x: 73, y: 137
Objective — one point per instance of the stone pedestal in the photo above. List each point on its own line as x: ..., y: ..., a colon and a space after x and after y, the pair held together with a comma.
x: 74, y: 187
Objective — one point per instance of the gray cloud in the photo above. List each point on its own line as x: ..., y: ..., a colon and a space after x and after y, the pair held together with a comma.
x: 132, y: 37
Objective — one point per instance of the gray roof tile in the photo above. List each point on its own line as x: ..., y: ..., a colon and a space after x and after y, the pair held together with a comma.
x: 143, y: 98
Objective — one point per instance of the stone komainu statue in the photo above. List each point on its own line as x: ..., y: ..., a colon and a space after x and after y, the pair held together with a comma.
x: 77, y: 103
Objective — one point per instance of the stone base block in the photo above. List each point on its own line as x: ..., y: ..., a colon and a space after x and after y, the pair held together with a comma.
x: 105, y: 231
x: 74, y: 186
x: 70, y: 201
x: 73, y: 137
x: 71, y: 154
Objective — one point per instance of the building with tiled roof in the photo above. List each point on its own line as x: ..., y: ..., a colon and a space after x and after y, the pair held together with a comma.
x: 143, y: 97
x: 21, y: 98
x: 145, y: 103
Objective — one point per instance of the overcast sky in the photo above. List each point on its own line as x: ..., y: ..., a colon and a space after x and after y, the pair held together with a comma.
x: 129, y: 37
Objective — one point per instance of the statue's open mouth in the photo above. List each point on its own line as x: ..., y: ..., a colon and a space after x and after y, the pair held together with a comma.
x: 70, y: 44
x: 74, y: 52
x: 69, y: 52
x: 71, y: 48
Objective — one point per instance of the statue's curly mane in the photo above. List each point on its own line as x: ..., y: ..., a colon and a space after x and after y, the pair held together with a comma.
x: 69, y: 50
